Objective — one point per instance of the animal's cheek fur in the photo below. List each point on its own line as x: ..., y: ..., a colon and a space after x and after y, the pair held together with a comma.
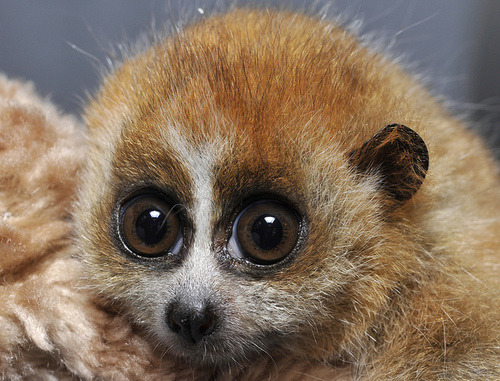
x: 354, y: 259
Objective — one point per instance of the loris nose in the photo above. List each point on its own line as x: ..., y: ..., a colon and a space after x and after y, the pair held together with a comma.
x: 192, y: 323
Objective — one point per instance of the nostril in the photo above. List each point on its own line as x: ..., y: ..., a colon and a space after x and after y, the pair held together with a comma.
x: 205, y: 322
x: 174, y: 321
x: 193, y: 324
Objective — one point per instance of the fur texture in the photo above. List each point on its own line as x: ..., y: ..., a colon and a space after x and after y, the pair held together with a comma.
x: 52, y: 328
x: 243, y: 106
x: 272, y: 105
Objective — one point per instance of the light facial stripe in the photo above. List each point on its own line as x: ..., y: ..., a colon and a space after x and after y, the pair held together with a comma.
x: 199, y: 160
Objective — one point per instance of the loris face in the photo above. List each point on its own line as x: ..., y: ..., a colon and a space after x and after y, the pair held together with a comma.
x: 230, y: 206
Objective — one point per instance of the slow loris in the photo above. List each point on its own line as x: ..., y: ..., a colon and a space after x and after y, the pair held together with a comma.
x: 263, y: 189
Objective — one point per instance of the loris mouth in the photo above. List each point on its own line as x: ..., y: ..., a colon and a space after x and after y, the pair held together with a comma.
x: 216, y: 352
x: 209, y: 343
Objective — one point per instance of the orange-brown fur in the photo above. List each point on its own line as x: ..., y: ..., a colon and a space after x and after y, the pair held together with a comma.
x: 277, y: 102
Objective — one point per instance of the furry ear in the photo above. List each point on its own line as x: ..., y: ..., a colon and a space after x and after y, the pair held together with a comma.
x: 399, y: 156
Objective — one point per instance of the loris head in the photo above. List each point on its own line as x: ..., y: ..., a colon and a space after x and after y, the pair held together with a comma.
x: 238, y: 199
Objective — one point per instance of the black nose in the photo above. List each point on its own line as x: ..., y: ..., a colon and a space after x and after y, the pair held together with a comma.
x: 192, y: 323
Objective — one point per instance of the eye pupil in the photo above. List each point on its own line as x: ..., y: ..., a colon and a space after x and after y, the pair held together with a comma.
x: 267, y: 232
x: 151, y: 226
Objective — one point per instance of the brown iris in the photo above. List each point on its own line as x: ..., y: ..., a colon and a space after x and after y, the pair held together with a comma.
x: 149, y: 225
x: 267, y: 231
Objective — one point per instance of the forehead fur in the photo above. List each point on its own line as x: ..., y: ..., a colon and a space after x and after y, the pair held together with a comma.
x: 266, y: 86
x: 255, y: 73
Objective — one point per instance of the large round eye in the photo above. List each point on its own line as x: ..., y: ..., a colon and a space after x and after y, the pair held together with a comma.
x: 265, y: 232
x: 149, y: 226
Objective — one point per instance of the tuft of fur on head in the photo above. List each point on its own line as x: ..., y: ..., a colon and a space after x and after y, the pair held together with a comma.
x: 272, y: 105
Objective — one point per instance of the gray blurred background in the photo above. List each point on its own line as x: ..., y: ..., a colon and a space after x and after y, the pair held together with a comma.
x: 58, y: 44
